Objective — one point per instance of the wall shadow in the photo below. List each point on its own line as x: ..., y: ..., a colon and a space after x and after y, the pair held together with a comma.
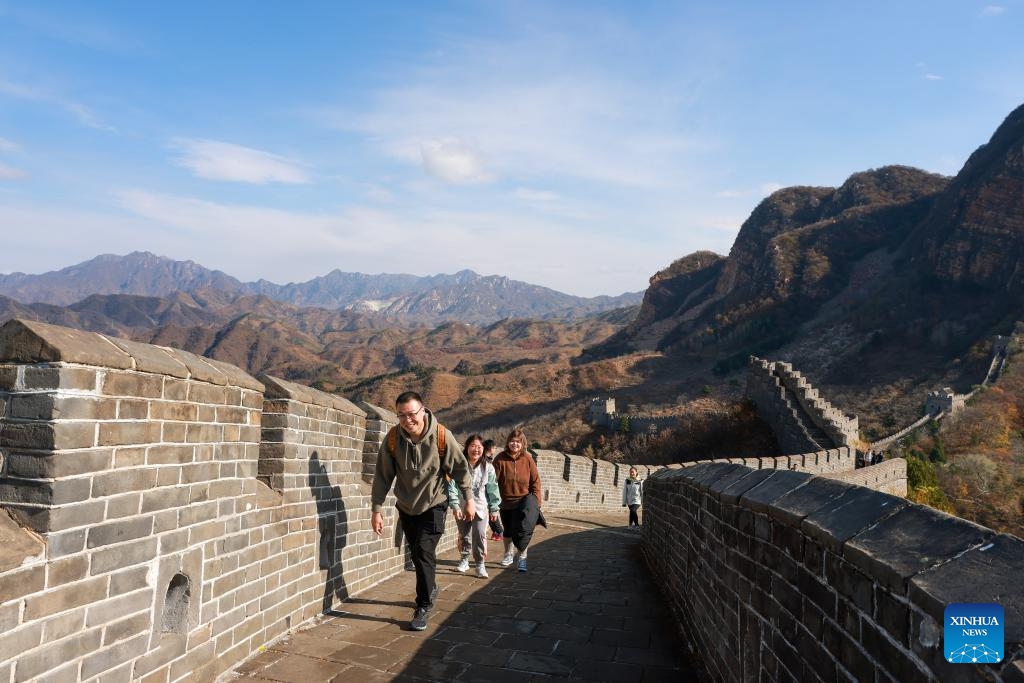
x: 332, y: 524
x: 587, y: 609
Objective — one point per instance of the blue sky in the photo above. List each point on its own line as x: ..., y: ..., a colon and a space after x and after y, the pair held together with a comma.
x: 578, y: 145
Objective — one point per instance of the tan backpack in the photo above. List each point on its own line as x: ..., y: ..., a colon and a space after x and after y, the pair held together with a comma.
x: 392, y: 440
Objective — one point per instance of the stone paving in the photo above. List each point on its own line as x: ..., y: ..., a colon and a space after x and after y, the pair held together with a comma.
x: 587, y: 610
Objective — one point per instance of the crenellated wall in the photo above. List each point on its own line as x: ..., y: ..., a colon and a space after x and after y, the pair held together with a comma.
x: 889, y: 476
x: 579, y: 484
x: 801, y: 419
x: 177, y: 516
x: 781, y: 576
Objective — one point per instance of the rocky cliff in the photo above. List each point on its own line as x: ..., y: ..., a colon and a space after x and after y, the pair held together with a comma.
x: 895, y: 257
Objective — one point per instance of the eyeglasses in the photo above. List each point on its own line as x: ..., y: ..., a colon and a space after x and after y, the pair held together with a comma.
x: 410, y: 416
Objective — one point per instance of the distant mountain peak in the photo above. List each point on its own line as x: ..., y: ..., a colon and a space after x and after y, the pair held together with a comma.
x: 465, y: 295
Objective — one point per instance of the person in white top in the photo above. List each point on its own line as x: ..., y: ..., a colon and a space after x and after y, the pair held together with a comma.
x: 473, y: 532
x: 632, y: 495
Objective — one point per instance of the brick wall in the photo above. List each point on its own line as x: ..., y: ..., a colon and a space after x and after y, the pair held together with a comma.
x: 573, y: 483
x: 889, y: 476
x: 174, y: 517
x: 793, y: 408
x: 780, y: 576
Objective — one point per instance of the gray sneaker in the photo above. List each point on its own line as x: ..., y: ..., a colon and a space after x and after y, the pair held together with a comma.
x: 419, y: 619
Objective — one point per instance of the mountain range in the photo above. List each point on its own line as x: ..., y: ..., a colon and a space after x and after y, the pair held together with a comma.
x: 879, y: 290
x: 464, y: 296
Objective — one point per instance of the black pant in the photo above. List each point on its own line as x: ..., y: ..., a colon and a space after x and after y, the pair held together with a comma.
x: 634, y: 519
x: 496, y: 526
x: 422, y: 532
x: 520, y: 520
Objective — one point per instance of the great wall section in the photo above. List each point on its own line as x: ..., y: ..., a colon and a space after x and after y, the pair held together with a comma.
x: 169, y: 515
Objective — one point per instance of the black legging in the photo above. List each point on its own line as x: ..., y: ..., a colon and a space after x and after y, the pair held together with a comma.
x: 634, y: 519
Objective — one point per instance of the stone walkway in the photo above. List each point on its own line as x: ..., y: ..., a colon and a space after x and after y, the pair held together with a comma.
x: 587, y: 610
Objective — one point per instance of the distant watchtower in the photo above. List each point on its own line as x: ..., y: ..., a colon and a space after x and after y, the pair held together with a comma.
x: 601, y: 411
x: 944, y: 400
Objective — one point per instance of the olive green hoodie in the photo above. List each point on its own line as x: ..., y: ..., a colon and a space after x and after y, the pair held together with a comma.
x: 418, y: 470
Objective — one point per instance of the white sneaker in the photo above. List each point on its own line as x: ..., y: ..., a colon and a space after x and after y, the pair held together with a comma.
x: 507, y: 560
x: 463, y: 565
x: 481, y: 570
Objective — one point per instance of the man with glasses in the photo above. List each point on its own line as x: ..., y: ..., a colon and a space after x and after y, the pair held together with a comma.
x: 416, y: 459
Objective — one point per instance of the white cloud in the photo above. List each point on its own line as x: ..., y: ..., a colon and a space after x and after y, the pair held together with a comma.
x: 7, y: 146
x: 927, y: 73
x: 532, y: 115
x: 992, y: 10
x: 10, y: 173
x: 217, y: 160
x: 453, y: 161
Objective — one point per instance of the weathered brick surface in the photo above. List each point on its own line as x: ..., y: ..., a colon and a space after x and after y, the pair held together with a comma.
x: 823, y: 597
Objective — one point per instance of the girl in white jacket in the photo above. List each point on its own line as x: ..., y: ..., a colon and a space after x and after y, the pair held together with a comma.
x: 473, y: 532
x: 632, y: 496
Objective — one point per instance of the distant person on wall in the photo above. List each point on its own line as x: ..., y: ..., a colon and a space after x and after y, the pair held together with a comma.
x: 416, y: 456
x: 632, y: 495
x: 519, y: 486
x: 496, y: 530
x: 473, y: 530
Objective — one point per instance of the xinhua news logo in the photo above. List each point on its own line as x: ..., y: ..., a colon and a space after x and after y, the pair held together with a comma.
x: 973, y: 633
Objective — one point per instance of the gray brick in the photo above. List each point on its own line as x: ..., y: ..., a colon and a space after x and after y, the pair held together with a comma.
x: 173, y: 410
x: 66, y: 570
x: 44, y: 492
x: 48, y: 437
x: 128, y: 627
x: 119, y: 532
x: 128, y: 580
x: 133, y: 384
x: 8, y: 378
x: 132, y: 409
x: 109, y: 611
x: 65, y: 598
x: 47, y: 659
x: 50, y: 465
x: 126, y: 505
x: 123, y: 555
x: 63, y: 625
x: 38, y: 377
x: 66, y: 543
x: 21, y: 582
x: 122, y: 481
x: 125, y: 433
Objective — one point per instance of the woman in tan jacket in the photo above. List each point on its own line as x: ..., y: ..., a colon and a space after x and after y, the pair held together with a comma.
x: 519, y: 486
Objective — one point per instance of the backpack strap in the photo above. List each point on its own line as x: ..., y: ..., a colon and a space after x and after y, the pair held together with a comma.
x: 392, y: 439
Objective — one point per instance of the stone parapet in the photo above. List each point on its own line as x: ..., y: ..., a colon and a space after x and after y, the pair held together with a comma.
x: 780, y: 575
x: 176, y: 514
x: 578, y: 483
x: 801, y: 419
x: 889, y: 476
